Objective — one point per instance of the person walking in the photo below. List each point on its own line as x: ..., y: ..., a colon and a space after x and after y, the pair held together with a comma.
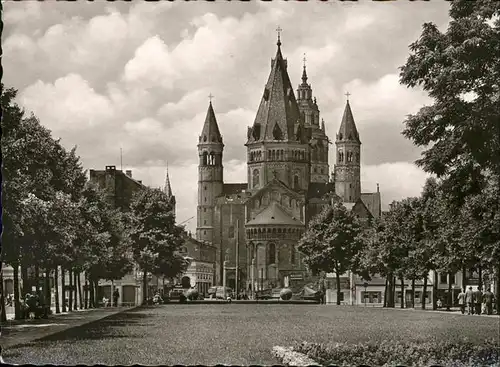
x: 461, y: 300
x: 469, y: 299
x: 478, y: 300
x: 488, y: 301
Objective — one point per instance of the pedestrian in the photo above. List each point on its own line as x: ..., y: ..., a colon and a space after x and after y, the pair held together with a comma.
x: 439, y: 303
x: 478, y: 300
x: 116, y: 295
x: 488, y: 301
x: 469, y: 299
x: 461, y: 300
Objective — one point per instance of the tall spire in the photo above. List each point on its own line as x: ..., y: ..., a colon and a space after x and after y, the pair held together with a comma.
x: 167, y: 189
x: 348, y: 130
x: 278, y: 105
x: 210, y: 132
x: 304, y: 73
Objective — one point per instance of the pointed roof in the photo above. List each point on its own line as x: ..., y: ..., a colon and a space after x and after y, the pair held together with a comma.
x: 274, y: 215
x: 210, y: 132
x: 278, y: 104
x: 348, y: 130
x: 168, y: 189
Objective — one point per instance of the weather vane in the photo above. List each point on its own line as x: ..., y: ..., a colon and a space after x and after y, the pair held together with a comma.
x: 279, y: 33
x: 347, y: 94
x: 210, y: 96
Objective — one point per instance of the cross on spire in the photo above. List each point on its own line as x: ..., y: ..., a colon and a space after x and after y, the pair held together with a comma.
x: 347, y: 94
x: 210, y: 96
x: 304, y: 60
x: 279, y: 30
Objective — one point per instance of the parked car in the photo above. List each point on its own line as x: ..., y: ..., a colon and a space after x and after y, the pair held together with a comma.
x: 218, y: 292
x: 175, y: 293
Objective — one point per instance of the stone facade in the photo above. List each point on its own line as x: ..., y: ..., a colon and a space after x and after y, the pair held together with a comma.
x: 256, y: 225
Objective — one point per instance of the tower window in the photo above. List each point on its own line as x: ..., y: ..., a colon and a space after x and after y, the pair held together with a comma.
x: 272, y: 253
x: 296, y: 182
x: 292, y: 255
x: 349, y: 156
x: 204, y: 138
x: 204, y: 210
x: 204, y: 232
x: 341, y: 156
x: 205, y: 221
x: 205, y: 199
x: 205, y: 158
x: 205, y: 188
x: 255, y: 178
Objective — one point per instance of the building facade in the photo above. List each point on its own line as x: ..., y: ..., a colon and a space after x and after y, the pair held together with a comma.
x: 256, y: 225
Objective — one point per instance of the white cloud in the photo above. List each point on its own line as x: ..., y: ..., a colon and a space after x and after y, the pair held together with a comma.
x: 137, y: 76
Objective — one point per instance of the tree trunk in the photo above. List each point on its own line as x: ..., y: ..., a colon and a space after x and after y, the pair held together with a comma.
x: 63, y: 289
x: 385, y: 292
x: 91, y: 294
x: 80, y: 290
x: 434, y: 290
x: 26, y: 287
x: 402, y: 292
x: 393, y: 292
x: 56, y: 288
x: 464, y: 278
x: 37, y: 280
x: 390, y: 289
x: 497, y: 296
x: 17, y: 303
x: 75, y: 278
x: 339, y: 292
x: 86, y: 293
x: 144, y: 287
x: 3, y: 315
x: 70, y: 297
x: 449, y: 298
x: 48, y: 293
x: 480, y: 273
x: 413, y: 293
x: 424, y: 291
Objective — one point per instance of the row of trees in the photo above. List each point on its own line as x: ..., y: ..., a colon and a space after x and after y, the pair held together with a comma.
x: 455, y: 224
x: 57, y: 223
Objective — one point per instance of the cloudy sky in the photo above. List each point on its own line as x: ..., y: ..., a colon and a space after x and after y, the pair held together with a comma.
x: 137, y: 75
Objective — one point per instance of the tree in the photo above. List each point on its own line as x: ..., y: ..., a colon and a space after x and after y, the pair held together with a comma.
x: 331, y: 241
x: 104, y: 239
x: 155, y: 237
x: 460, y: 71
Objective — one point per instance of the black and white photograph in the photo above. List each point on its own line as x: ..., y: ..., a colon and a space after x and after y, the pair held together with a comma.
x: 246, y: 183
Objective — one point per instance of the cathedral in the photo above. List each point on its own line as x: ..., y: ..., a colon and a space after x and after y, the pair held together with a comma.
x: 256, y: 225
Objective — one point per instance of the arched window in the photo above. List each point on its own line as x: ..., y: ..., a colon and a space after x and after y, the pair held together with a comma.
x: 349, y: 156
x: 357, y: 157
x: 341, y: 156
x: 296, y: 182
x: 272, y: 253
x: 292, y: 255
x: 205, y: 158
x: 211, y: 161
x: 255, y: 178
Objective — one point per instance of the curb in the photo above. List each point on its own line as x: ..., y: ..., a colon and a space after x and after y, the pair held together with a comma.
x: 289, y: 357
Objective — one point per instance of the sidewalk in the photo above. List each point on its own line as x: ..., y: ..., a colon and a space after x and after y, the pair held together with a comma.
x: 15, y: 332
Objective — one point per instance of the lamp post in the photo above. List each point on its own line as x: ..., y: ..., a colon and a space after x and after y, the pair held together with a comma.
x: 224, y: 280
x: 252, y: 276
x: 452, y: 294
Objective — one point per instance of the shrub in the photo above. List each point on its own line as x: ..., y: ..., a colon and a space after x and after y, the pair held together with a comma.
x: 396, y: 353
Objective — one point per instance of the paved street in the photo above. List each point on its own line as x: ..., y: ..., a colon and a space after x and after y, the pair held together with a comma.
x: 237, y: 334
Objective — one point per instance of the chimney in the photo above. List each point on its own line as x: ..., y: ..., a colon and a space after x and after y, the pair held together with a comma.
x: 128, y: 173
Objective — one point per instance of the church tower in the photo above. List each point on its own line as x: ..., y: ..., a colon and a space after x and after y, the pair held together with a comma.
x: 319, y: 141
x: 347, y: 168
x: 167, y: 189
x: 277, y: 145
x: 210, y: 175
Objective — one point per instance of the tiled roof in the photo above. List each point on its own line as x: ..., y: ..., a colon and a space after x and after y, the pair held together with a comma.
x: 372, y: 202
x: 274, y: 215
x: 319, y: 189
x: 233, y: 188
x: 348, y: 130
x: 210, y: 132
x: 278, y: 112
